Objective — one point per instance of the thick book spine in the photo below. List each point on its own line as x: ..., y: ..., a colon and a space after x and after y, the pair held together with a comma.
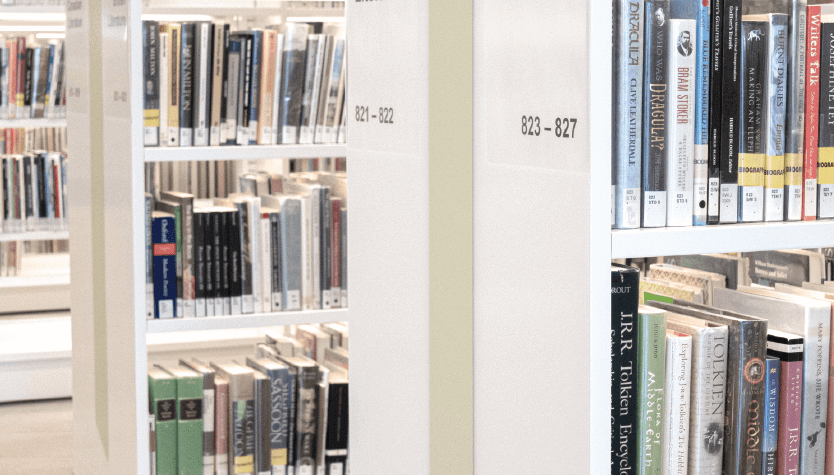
x: 164, y: 266
x: 812, y: 94
x: 246, y: 256
x: 186, y: 202
x: 624, y: 301
x: 231, y: 89
x: 655, y: 121
x: 774, y: 116
x: 276, y: 89
x: 267, y: 88
x: 771, y: 416
x: 700, y: 185
x: 186, y: 85
x: 676, y: 410
x: 309, y: 86
x: 242, y: 436
x: 21, y: 77
x: 176, y: 210
x: 291, y: 253
x: 217, y: 56
x: 825, y: 157
x: 292, y: 81
x: 201, y: 115
x: 163, y: 398
x: 189, y: 423
x: 234, y: 259
x: 150, y: 42
x: 263, y: 423
x: 790, y: 410
x: 681, y: 118
x: 336, y: 447
x: 754, y: 36
x: 730, y: 87
x: 307, y: 420
x: 149, y: 205
x: 244, y: 94
x: 815, y: 396
x: 164, y: 85
x: 651, y: 354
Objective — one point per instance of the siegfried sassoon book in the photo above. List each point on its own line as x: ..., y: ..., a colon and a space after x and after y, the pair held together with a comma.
x: 624, y: 300
x: 655, y: 121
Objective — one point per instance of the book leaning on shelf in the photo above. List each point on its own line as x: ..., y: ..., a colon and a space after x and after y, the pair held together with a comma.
x: 275, y: 411
x: 279, y: 245
x: 206, y: 85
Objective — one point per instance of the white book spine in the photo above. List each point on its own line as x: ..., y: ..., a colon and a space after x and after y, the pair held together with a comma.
x: 815, y: 370
x: 210, y: 307
x: 306, y: 255
x: 201, y: 125
x: 164, y: 87
x: 316, y: 249
x: 675, y: 456
x: 681, y: 113
x: 266, y: 264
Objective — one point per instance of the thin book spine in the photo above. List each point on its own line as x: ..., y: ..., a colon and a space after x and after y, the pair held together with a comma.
x: 771, y: 416
x: 186, y: 84
x: 774, y: 114
x: 655, y: 121
x: 702, y: 73
x: 790, y: 357
x: 751, y: 97
x: 676, y: 410
x: 825, y: 154
x: 812, y: 93
x: 651, y: 354
x: 150, y: 40
x: 218, y: 54
x: 730, y: 87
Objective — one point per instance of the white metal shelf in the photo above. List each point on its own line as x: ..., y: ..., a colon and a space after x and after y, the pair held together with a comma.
x: 31, y: 123
x: 721, y: 238
x: 243, y: 9
x: 32, y: 9
x: 35, y: 236
x: 246, y: 321
x: 244, y: 152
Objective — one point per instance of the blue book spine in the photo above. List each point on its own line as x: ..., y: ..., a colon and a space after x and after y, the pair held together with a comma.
x: 655, y: 121
x: 255, y: 90
x: 36, y: 69
x: 701, y: 183
x: 771, y: 417
x: 164, y: 265
x: 626, y: 146
x: 47, y: 98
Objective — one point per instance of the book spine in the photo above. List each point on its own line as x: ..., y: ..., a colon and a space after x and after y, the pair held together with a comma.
x: 11, y: 45
x: 265, y: 263
x: 178, y: 218
x: 655, y: 122
x: 202, y: 83
x: 254, y: 217
x: 263, y: 425
x: 292, y: 419
x: 771, y: 416
x: 790, y: 416
x: 49, y: 95
x: 326, y: 224
x: 190, y: 424
x: 218, y: 54
x: 149, y: 280
x: 754, y: 35
x: 32, y: 60
x: 815, y: 395
x: 244, y: 96
x: 199, y: 259
x: 231, y: 89
x: 825, y: 157
x: 41, y: 187
x: 267, y: 85
x: 187, y: 85
x: 275, y: 240
x: 150, y: 37
x: 221, y: 418
x: 651, y: 353
x: 164, y: 85
x: 774, y: 115
x: 308, y: 88
x: 22, y: 113
x: 676, y: 410
x: 624, y: 300
x: 175, y: 42
x: 730, y: 87
x: 164, y: 267
x: 291, y: 253
x: 163, y: 396
x: 335, y: 455
x: 681, y: 127
x: 812, y: 92
x: 216, y: 268
x: 255, y: 87
x: 209, y: 222
x: 242, y: 438
x: 795, y: 110
x: 307, y: 420
x: 279, y: 417
x: 701, y: 150
x: 246, y: 257
x: 335, y: 252
x: 344, y: 273
x: 292, y: 82
x: 226, y: 253
x: 224, y: 86
x: 235, y: 263
x: 315, y: 248
x: 276, y: 89
x: 188, y: 270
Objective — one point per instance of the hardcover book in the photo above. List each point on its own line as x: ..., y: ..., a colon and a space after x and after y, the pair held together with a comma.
x: 150, y: 40
x: 676, y: 409
x: 812, y: 94
x: 241, y: 416
x: 164, y: 265
x: 789, y: 349
x: 292, y: 79
x: 771, y: 415
x: 795, y: 110
x: 825, y: 152
x: 162, y: 389
x: 773, y: 113
x: 186, y: 84
x: 755, y: 32
x: 280, y: 406
x: 734, y: 268
x: 651, y: 354
x: 715, y: 110
x: 791, y: 266
x: 189, y: 420
x: 730, y: 126
x: 209, y: 398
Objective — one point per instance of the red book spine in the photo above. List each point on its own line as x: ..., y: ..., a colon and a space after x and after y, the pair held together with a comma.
x: 336, y: 243
x: 790, y: 417
x: 812, y: 100
x: 221, y: 423
x: 12, y: 75
x: 21, y: 69
x: 56, y: 186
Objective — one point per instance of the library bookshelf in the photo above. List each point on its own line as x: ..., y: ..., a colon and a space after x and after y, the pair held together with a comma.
x: 388, y: 232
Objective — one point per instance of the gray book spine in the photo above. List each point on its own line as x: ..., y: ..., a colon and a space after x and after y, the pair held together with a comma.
x: 231, y: 90
x: 276, y: 275
x: 263, y: 419
x: 291, y: 253
x: 795, y: 113
x: 774, y: 117
x: 202, y: 82
x: 626, y: 146
x: 307, y: 100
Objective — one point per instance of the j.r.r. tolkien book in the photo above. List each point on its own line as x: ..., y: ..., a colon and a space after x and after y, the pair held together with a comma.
x: 795, y: 111
x: 189, y: 419
x: 708, y: 391
x: 731, y: 69
x: 773, y: 114
x: 186, y: 84
x: 812, y: 93
x: 771, y: 415
x: 788, y: 348
x: 676, y: 391
x: 754, y: 31
x: 745, y: 382
x: 164, y: 264
x: 241, y: 419
x: 209, y: 398
x: 702, y: 74
x: 651, y: 355
x: 655, y: 148
x: 280, y: 406
x: 292, y: 80
x: 734, y: 268
x: 790, y: 266
x: 825, y: 152
x: 150, y: 40
x: 681, y: 113
x: 162, y: 388
x: 811, y: 319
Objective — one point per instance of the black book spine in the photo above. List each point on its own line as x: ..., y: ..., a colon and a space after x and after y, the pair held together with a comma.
x: 277, y: 271
x: 715, y: 76
x: 150, y: 40
x: 7, y: 209
x: 219, y: 258
x: 247, y: 81
x: 255, y: 88
x: 241, y: 90
x: 754, y: 37
x: 326, y: 244
x: 200, y: 262
x: 187, y: 84
x: 42, y: 185
x: 625, y: 290
x: 307, y: 417
x: 730, y: 133
x: 335, y: 453
x: 208, y: 262
x: 27, y: 77
x: 263, y: 425
x: 246, y: 255
x: 27, y: 186
x: 225, y: 88
x: 655, y: 121
x: 235, y: 260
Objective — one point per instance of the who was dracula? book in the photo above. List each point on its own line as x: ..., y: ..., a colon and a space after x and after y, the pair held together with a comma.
x: 624, y: 302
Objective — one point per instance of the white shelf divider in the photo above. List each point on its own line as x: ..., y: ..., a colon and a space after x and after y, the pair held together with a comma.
x: 251, y: 152
x: 31, y: 123
x: 34, y: 236
x: 721, y: 238
x: 257, y: 320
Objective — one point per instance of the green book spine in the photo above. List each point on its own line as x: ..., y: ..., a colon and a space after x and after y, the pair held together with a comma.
x: 163, y: 394
x: 190, y: 425
x: 651, y: 356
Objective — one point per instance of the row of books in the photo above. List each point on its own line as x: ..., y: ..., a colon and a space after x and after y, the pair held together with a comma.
x: 18, y: 140
x: 717, y: 113
x: 279, y: 412
x: 34, y: 192
x: 32, y: 79
x: 11, y: 258
x: 207, y: 85
x: 279, y: 245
